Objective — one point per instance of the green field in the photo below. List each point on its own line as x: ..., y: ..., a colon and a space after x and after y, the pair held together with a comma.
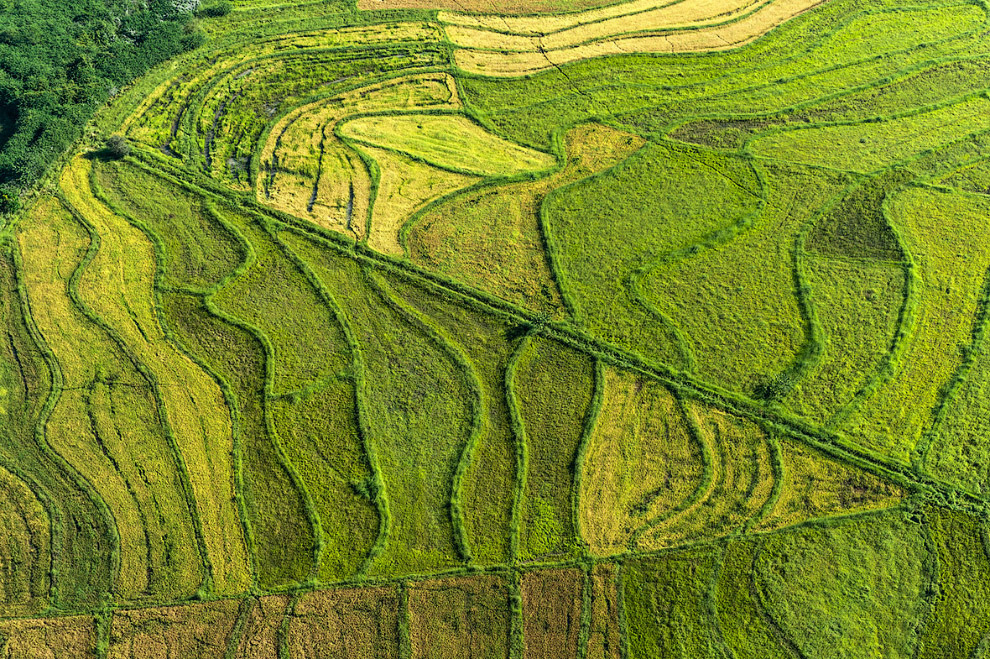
x: 562, y: 329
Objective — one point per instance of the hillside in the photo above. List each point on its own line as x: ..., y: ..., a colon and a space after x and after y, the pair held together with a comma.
x: 558, y: 329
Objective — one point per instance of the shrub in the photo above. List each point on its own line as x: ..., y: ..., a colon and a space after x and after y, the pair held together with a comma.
x: 117, y: 147
x: 216, y: 9
x: 10, y: 202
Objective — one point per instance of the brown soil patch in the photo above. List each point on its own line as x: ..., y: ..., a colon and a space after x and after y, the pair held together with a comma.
x: 174, y: 632
x: 459, y: 618
x: 551, y: 613
x: 357, y: 623
x: 71, y: 638
x: 259, y: 638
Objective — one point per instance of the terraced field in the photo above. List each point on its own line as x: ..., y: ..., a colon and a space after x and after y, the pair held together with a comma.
x: 538, y: 329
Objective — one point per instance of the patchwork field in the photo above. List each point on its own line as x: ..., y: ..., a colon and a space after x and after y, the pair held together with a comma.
x: 543, y: 329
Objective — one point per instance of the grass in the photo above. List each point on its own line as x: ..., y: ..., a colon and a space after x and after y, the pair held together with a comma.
x: 417, y: 408
x: 737, y: 304
x: 361, y: 352
x: 610, y: 228
x: 554, y: 389
x: 668, y: 607
x: 942, y: 237
x: 858, y: 306
x: 853, y: 587
x: 957, y: 624
x: 841, y: 44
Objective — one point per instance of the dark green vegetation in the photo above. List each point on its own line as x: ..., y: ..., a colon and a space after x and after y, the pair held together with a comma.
x: 61, y: 59
x: 641, y: 355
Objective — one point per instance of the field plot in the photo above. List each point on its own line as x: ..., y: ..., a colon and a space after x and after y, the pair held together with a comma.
x: 462, y: 617
x: 559, y: 329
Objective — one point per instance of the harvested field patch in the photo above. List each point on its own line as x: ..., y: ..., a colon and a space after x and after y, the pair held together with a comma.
x: 274, y: 508
x: 404, y: 186
x: 308, y: 172
x: 259, y: 637
x: 350, y: 622
x: 814, y: 486
x: 551, y: 613
x: 118, y: 285
x: 718, y: 37
x: 25, y: 548
x: 604, y: 640
x: 740, y: 482
x: 509, y: 7
x: 62, y: 638
x: 459, y: 618
x: 175, y: 632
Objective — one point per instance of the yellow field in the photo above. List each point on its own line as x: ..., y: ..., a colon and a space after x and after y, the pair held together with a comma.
x: 718, y: 37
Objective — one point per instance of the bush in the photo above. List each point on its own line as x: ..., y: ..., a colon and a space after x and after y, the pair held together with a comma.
x: 117, y: 147
x: 216, y: 9
x: 10, y: 202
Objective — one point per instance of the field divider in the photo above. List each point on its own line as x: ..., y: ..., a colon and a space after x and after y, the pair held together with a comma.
x: 768, y: 414
x: 522, y: 450
x: 587, y: 432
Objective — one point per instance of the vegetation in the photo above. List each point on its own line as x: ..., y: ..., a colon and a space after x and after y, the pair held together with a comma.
x: 399, y: 329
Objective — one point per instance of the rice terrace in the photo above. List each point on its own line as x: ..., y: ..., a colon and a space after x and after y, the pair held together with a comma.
x: 476, y: 329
